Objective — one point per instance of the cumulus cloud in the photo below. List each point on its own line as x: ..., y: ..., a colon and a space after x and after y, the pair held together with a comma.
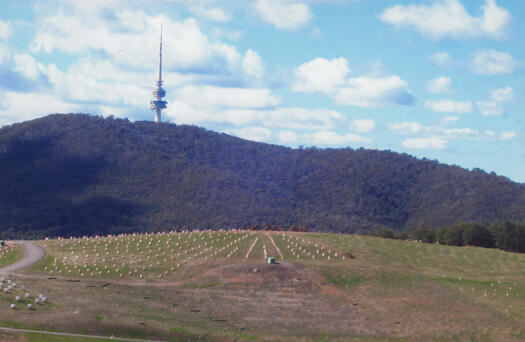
x: 287, y: 137
x: 440, y: 85
x: 253, y: 65
x: 185, y: 47
x: 449, y: 19
x: 20, y: 72
x: 27, y: 66
x: 363, y: 125
x: 503, y: 94
x: 283, y: 14
x: 331, y: 138
x: 490, y: 108
x: 460, y: 132
x: 253, y: 133
x: 5, y: 30
x: 492, y: 62
x: 321, y: 75
x: 372, y: 92
x: 433, y: 143
x: 441, y: 59
x: 331, y: 77
x: 210, y: 97
x: 406, y: 128
x: 507, y: 135
x: 192, y: 110
x: 449, y: 106
x: 449, y: 120
x: 216, y: 14
x: 25, y: 106
x: 495, y: 105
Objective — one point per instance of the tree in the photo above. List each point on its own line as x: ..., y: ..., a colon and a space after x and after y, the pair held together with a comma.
x: 400, y: 236
x: 454, y: 234
x: 423, y: 234
x: 477, y: 234
x: 382, y: 232
x: 509, y: 236
x: 440, y: 235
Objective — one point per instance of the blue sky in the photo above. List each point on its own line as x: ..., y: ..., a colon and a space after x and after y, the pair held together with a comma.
x: 440, y: 79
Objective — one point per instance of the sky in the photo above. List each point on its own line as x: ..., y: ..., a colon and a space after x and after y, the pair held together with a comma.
x: 437, y: 79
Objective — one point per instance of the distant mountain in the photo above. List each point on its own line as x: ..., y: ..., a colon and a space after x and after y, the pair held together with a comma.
x: 80, y: 174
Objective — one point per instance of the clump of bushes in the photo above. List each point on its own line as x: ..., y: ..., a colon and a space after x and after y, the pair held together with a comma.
x: 388, y: 234
x: 506, y: 235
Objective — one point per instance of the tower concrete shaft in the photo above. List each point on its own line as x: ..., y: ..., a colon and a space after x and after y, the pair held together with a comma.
x: 158, y: 104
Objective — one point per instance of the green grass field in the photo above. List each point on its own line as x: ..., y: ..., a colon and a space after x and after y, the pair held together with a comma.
x: 9, y: 254
x: 217, y: 286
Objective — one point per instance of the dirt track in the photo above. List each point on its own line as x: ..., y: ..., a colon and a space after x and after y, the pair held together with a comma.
x: 32, y: 254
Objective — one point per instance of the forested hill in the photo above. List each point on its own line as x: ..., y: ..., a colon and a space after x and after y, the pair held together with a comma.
x: 79, y: 174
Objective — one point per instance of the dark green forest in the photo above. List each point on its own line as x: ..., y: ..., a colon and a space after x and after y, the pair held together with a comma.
x: 78, y: 174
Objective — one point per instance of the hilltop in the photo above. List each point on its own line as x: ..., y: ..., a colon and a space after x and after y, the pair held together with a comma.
x: 80, y: 174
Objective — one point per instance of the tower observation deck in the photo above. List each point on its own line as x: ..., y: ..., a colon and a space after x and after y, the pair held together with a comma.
x: 158, y: 104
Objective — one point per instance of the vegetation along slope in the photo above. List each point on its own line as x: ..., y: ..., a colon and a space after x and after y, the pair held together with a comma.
x: 78, y: 174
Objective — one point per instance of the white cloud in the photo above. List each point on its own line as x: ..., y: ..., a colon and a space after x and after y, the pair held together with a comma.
x: 492, y: 62
x: 211, y: 97
x: 5, y: 30
x: 321, y: 75
x: 440, y: 85
x: 27, y: 66
x: 253, y: 133
x: 460, y: 133
x: 5, y: 55
x: 284, y: 118
x: 373, y: 92
x: 228, y: 34
x: 433, y: 143
x: 449, y: 120
x: 253, y: 65
x: 330, y: 77
x: 211, y: 13
x: 406, y: 128
x: 449, y: 106
x: 330, y: 138
x: 284, y: 14
x: 507, y: 135
x: 303, y: 119
x: 503, y: 94
x: 441, y: 59
x: 287, y: 137
x: 100, y: 83
x: 17, y: 107
x: 449, y: 18
x: 490, y: 108
x: 363, y: 125
x: 184, y: 113
x: 201, y: 110
x: 495, y: 107
x: 130, y: 43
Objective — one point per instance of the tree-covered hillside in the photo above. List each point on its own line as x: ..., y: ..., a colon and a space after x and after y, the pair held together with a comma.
x: 79, y: 174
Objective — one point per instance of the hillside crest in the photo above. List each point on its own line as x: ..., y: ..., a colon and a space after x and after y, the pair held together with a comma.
x: 76, y: 174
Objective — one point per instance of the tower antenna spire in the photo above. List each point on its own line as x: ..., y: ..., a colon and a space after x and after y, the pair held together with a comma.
x: 158, y: 104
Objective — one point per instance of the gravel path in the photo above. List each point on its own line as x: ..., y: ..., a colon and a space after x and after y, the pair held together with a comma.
x: 32, y: 255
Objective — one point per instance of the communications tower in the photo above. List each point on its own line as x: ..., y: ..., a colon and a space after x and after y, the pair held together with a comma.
x: 158, y: 105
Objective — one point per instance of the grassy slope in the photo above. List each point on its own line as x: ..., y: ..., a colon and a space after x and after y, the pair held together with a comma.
x: 392, y: 291
x: 12, y: 254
